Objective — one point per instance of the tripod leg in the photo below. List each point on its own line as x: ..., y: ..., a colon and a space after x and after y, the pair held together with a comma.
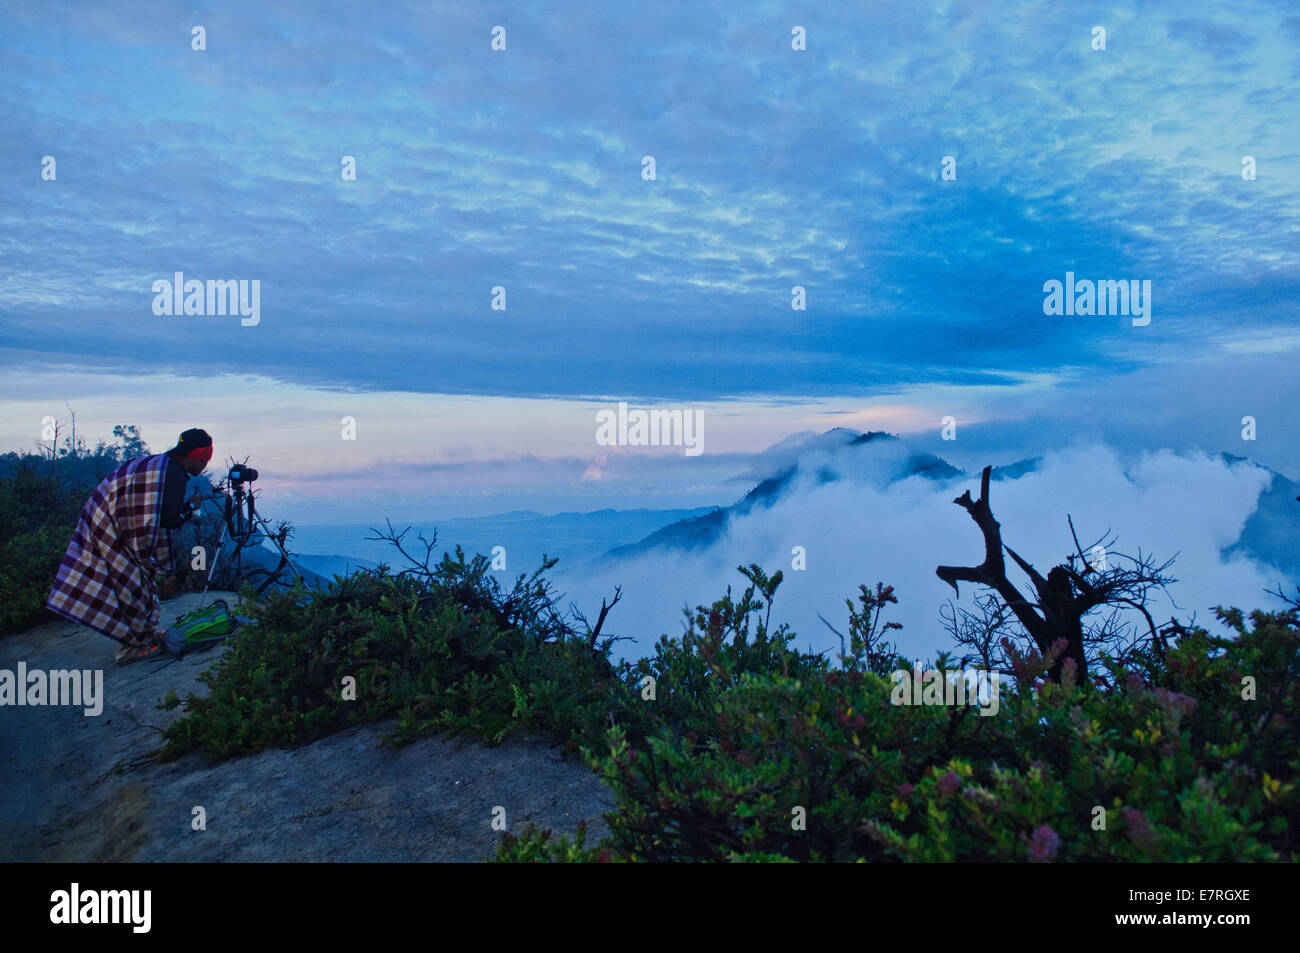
x: 213, y: 568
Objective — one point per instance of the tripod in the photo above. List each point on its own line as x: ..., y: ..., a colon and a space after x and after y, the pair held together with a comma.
x: 243, y: 522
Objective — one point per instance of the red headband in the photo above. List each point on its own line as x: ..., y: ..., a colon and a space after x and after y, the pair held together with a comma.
x: 200, y: 453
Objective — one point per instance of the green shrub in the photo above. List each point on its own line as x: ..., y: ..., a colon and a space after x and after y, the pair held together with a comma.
x: 451, y: 652
x: 447, y: 653
x: 1184, y: 768
x: 536, y: 846
x: 742, y: 737
x: 38, y: 512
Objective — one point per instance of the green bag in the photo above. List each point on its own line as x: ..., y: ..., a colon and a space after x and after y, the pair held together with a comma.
x: 209, y: 624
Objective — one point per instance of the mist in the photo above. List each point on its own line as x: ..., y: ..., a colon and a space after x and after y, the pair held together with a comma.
x: 859, y: 525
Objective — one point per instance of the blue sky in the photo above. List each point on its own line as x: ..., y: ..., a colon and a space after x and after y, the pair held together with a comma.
x: 522, y: 168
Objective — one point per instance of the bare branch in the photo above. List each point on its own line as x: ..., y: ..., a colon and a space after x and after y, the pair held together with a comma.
x: 1065, y: 597
x: 419, y: 566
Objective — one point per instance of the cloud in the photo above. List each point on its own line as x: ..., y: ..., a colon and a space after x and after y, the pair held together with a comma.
x: 522, y: 169
x: 860, y: 529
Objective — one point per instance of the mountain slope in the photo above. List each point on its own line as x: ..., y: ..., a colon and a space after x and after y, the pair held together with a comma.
x: 1272, y: 533
x: 80, y: 788
x: 704, y: 530
x: 1270, y: 536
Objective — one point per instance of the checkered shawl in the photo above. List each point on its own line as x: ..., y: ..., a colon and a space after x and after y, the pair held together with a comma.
x: 106, y: 579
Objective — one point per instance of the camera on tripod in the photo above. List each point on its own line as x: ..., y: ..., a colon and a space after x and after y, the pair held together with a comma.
x: 241, y: 474
x: 247, y: 529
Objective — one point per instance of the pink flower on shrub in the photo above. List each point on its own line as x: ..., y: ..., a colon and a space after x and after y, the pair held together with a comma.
x: 1174, y: 701
x: 1044, y: 845
x: 905, y: 790
x: 1139, y: 828
x: 949, y: 784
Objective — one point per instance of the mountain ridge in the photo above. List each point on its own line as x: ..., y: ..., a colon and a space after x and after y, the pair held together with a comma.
x: 1268, y: 535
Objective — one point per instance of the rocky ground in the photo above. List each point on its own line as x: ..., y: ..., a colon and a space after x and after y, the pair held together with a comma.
x: 79, y: 788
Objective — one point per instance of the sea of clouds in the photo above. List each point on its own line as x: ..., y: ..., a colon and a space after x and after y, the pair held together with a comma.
x: 859, y: 525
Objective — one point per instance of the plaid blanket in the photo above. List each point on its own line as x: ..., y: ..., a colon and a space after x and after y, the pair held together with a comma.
x: 106, y: 579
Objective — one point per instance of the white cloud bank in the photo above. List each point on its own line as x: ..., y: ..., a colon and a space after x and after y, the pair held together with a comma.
x: 860, y: 528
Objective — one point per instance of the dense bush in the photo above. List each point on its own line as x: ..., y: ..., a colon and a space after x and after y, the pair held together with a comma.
x: 717, y: 743
x: 1180, y: 767
x: 40, y: 501
x: 450, y: 651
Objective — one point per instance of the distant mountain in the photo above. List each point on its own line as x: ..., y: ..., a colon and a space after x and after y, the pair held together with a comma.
x: 573, y: 538
x: 332, y: 565
x: 704, y: 530
x: 1271, y: 535
x: 260, y: 553
x: 788, y: 452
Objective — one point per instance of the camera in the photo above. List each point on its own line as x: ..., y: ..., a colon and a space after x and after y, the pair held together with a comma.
x: 241, y: 474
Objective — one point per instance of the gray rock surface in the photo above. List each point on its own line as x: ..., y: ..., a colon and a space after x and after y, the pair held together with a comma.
x: 78, y: 788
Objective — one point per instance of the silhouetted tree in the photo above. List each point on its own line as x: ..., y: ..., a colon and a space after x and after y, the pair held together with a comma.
x: 1055, y: 620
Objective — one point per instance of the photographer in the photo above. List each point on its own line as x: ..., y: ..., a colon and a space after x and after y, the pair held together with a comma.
x: 106, y: 578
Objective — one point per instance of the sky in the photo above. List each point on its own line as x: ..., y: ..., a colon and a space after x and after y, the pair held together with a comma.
x: 524, y: 169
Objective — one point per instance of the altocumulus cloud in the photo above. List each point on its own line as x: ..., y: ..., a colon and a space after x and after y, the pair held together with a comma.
x: 775, y: 168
